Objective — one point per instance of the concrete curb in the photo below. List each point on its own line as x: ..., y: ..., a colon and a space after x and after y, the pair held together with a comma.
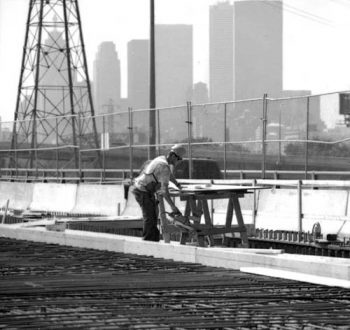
x: 232, y: 258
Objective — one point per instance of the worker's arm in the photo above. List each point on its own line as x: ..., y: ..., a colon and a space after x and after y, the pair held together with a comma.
x: 164, y: 191
x: 174, y: 181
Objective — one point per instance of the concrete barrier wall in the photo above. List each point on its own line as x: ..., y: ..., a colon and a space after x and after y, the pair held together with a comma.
x: 19, y: 194
x: 81, y: 199
x: 325, y: 202
x: 276, y: 209
x: 54, y: 197
x: 99, y: 199
x: 328, y: 207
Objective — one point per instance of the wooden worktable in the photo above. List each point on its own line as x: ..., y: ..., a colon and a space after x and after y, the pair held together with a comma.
x: 197, y: 197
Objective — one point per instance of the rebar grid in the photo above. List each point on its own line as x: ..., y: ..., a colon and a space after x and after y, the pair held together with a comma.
x: 51, y: 286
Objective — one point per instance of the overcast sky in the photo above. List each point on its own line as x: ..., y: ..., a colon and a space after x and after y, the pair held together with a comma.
x: 316, y: 39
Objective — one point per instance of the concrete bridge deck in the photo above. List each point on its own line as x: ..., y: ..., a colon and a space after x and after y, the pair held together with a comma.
x: 49, y: 286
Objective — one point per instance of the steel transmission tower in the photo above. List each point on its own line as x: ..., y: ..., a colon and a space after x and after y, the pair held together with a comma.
x: 54, y: 108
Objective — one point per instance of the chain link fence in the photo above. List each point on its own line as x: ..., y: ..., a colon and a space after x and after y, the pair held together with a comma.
x: 304, y: 134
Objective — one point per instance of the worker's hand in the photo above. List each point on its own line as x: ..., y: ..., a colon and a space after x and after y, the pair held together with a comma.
x: 176, y: 211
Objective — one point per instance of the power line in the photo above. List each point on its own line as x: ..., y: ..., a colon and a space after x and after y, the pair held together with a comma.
x: 299, y: 12
x: 345, y: 3
x: 308, y: 14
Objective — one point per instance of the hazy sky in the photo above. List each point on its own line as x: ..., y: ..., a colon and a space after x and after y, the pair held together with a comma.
x: 316, y: 39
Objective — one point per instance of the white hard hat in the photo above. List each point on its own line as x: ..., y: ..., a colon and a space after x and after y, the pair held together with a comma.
x: 178, y: 150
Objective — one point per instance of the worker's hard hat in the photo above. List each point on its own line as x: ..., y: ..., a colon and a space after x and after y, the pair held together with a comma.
x: 178, y: 150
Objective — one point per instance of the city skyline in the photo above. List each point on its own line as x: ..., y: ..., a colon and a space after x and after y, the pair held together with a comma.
x: 106, y: 79
x: 317, y: 63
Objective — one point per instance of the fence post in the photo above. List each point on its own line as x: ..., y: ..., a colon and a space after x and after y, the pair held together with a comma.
x: 189, y: 132
x: 130, y: 143
x: 57, y: 152
x: 79, y: 146
x: 280, y: 136
x: 5, y: 212
x: 16, y: 154
x: 158, y: 131
x: 36, y: 148
x: 307, y: 137
x: 263, y: 138
x: 255, y: 211
x: 103, y: 142
x: 225, y: 139
x: 300, y: 208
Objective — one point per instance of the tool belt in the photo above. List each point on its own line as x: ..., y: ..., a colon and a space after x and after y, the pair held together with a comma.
x: 153, y: 186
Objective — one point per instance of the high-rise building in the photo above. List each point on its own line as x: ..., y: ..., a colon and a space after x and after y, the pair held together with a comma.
x: 138, y: 83
x: 200, y: 93
x: 221, y: 60
x: 138, y: 74
x: 174, y: 77
x: 174, y: 64
x: 107, y: 85
x: 245, y: 50
x: 258, y: 46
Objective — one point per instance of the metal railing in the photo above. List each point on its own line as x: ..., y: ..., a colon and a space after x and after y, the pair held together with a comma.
x: 303, y: 135
x: 106, y: 176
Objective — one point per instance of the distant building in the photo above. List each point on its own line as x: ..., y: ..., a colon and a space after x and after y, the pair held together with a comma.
x: 299, y: 109
x: 6, y: 134
x: 245, y: 50
x: 221, y: 53
x: 138, y: 74
x: 295, y: 92
x: 107, y: 79
x: 124, y: 104
x: 174, y: 67
x: 174, y: 77
x: 138, y: 83
x: 258, y: 41
x: 200, y: 93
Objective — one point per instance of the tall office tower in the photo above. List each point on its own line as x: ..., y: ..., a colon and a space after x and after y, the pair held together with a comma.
x: 258, y: 48
x: 245, y: 50
x: 221, y: 55
x: 138, y: 84
x: 174, y: 77
x: 138, y: 74
x: 107, y: 84
x: 200, y: 93
x: 174, y: 64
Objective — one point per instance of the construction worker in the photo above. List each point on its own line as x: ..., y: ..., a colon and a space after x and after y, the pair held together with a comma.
x: 154, y: 179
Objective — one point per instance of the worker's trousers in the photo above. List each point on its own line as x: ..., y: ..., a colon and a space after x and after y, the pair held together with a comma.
x: 149, y: 207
